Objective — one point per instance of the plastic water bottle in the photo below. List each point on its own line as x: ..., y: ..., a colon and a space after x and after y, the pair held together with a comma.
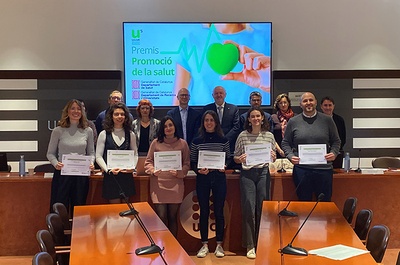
x: 22, y: 172
x: 347, y: 162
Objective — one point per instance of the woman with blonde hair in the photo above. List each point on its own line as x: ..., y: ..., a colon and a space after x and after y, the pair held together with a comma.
x: 71, y: 136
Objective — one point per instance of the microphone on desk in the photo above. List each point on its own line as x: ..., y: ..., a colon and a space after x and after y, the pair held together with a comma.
x: 285, y: 211
x: 358, y: 170
x: 153, y: 248
x: 290, y: 249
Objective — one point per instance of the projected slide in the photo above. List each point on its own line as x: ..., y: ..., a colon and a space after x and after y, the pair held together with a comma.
x: 161, y: 58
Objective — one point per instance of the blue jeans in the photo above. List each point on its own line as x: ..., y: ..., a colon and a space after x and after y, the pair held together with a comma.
x: 214, y: 181
x: 255, y: 186
x: 311, y: 182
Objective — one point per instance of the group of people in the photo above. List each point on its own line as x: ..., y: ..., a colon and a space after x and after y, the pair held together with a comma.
x: 218, y: 128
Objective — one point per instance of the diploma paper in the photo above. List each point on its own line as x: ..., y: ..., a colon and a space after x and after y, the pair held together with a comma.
x: 312, y: 154
x: 123, y: 159
x: 76, y: 165
x: 168, y: 160
x: 257, y: 154
x: 211, y: 160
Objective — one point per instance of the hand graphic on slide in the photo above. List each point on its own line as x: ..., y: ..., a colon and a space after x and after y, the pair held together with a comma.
x: 256, y: 68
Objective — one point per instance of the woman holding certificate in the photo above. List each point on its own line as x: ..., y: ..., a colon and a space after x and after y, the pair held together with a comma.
x: 117, y: 135
x: 210, y: 177
x: 166, y: 181
x: 255, y: 149
x: 71, y: 136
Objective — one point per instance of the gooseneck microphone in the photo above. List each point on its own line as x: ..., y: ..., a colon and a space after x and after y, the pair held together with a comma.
x: 153, y: 248
x: 290, y: 249
x: 358, y: 170
x: 285, y: 211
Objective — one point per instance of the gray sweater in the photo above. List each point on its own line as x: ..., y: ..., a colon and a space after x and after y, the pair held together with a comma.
x: 72, y: 140
x: 319, y: 129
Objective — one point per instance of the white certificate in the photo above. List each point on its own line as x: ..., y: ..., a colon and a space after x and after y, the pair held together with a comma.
x: 168, y: 160
x: 211, y: 160
x: 257, y: 154
x: 312, y: 154
x: 123, y: 159
x: 76, y: 165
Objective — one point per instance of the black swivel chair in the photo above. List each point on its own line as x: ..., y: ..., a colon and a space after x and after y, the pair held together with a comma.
x: 349, y: 208
x: 386, y: 162
x: 42, y: 258
x: 363, y: 223
x: 377, y: 241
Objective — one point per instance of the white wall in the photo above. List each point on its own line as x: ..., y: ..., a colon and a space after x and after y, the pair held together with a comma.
x: 308, y: 34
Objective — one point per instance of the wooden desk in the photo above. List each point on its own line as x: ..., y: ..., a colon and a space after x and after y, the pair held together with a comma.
x: 325, y: 227
x: 101, y: 236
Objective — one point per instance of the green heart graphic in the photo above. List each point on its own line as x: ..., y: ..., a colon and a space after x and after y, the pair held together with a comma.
x: 222, y: 58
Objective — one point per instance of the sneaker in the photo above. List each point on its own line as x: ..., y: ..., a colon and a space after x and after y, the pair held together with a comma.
x: 203, y: 252
x: 251, y: 254
x: 219, y: 251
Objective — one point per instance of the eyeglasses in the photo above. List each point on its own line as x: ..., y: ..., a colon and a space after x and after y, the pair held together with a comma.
x: 256, y: 100
x: 115, y: 98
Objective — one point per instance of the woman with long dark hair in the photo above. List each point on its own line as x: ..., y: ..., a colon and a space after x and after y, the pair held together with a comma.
x: 71, y: 136
x: 166, y: 186
x: 211, y: 138
x: 255, y: 179
x: 117, y: 135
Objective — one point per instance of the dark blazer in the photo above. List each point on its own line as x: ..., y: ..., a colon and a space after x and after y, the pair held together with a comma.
x: 230, y: 122
x: 341, y: 127
x: 192, y: 123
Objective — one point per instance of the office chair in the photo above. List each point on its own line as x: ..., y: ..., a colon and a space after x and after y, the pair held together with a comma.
x: 362, y: 224
x: 56, y: 229
x: 42, y: 258
x: 349, y: 208
x: 46, y: 244
x: 61, y: 210
x: 386, y: 162
x: 377, y: 241
x: 46, y: 168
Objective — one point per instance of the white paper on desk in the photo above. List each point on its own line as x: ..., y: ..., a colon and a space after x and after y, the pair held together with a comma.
x: 168, y: 160
x: 211, y: 160
x: 123, y: 159
x: 76, y: 165
x: 312, y: 154
x: 257, y: 154
x: 338, y: 252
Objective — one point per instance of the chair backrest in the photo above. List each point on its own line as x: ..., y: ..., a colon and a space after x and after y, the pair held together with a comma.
x: 61, y: 210
x: 377, y: 241
x: 46, y: 168
x: 363, y: 222
x: 386, y: 162
x: 349, y: 208
x: 42, y: 258
x: 56, y: 228
x: 398, y: 259
x: 46, y: 243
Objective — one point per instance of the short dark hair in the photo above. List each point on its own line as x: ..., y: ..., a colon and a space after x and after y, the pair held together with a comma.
x: 327, y: 98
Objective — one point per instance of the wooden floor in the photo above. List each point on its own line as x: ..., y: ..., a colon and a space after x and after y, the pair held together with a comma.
x: 389, y: 259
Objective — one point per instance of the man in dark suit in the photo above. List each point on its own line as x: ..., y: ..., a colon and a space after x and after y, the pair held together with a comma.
x: 255, y: 100
x: 187, y: 120
x: 230, y: 115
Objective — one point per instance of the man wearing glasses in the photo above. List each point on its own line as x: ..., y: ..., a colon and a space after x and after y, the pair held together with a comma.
x: 255, y: 100
x: 187, y: 120
x: 113, y: 98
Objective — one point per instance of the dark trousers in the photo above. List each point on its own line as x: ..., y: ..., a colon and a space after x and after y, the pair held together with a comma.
x: 255, y: 186
x: 214, y: 181
x: 69, y: 190
x: 313, y: 182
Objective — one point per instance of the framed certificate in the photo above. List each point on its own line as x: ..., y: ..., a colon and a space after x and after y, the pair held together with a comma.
x: 123, y: 159
x: 168, y: 160
x: 76, y: 165
x: 211, y: 160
